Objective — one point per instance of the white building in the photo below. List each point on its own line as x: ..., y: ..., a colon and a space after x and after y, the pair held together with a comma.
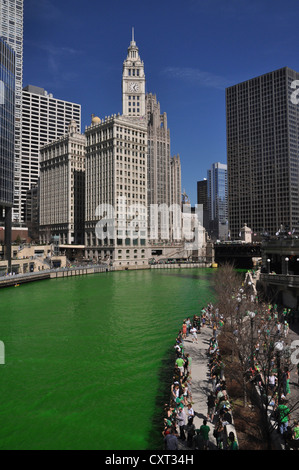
x: 44, y: 119
x: 116, y: 176
x: 116, y: 191
x: 62, y: 188
x: 11, y: 29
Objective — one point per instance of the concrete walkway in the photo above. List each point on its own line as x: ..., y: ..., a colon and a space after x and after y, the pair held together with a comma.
x: 201, y: 383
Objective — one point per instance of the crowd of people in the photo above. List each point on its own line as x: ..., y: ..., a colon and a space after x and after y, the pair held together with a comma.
x: 270, y: 369
x: 179, y: 421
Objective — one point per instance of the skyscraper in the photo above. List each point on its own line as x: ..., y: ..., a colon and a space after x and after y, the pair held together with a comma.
x: 116, y: 175
x: 202, y: 199
x: 217, y: 201
x: 7, y: 139
x: 262, y: 153
x: 158, y: 153
x: 62, y: 188
x: 44, y: 120
x: 175, y: 180
x: 11, y: 29
x: 164, y: 171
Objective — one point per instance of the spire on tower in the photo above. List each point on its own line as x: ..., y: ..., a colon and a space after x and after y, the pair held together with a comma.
x: 133, y: 43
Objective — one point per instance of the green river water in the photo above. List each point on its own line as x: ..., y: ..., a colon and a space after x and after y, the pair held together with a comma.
x: 88, y: 359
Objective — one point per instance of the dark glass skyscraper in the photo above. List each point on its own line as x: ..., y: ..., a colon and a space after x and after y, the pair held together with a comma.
x: 202, y: 199
x: 262, y: 116
x: 217, y: 201
x: 7, y: 138
x: 11, y: 30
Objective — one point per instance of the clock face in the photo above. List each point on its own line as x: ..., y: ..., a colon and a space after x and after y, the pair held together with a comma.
x: 133, y: 87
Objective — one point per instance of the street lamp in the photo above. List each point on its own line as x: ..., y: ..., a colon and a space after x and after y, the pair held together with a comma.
x: 249, y: 290
x: 268, y: 261
x: 287, y: 266
x: 278, y: 347
x: 251, y: 316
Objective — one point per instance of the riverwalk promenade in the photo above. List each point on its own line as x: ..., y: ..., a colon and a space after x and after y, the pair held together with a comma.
x: 18, y: 279
x: 202, y: 386
x: 201, y: 382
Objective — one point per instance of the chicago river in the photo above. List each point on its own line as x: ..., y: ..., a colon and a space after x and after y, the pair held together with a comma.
x: 88, y: 359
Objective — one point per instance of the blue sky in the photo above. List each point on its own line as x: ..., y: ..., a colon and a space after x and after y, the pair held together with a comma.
x: 192, y: 50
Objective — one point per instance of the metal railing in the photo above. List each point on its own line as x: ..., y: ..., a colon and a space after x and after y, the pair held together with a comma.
x: 282, y: 279
x: 53, y: 270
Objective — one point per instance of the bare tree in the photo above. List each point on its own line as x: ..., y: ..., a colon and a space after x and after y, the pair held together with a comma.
x: 254, y: 332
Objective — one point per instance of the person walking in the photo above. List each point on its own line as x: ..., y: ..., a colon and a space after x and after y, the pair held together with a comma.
x: 218, y: 434
x: 193, y: 332
x: 204, y: 431
x: 288, y: 377
x: 180, y: 363
x: 171, y: 441
x: 190, y: 414
x: 283, y: 416
x: 188, y: 363
x: 188, y: 323
x: 215, y: 330
x: 181, y: 421
x: 232, y: 443
x: 286, y: 382
x: 184, y: 330
x: 296, y: 430
x: 211, y: 407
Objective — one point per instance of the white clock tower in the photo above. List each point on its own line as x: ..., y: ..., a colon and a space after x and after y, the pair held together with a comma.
x: 133, y: 83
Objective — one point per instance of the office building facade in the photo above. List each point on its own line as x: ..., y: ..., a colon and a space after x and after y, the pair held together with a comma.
x: 32, y: 212
x: 62, y: 188
x: 175, y: 180
x: 217, y: 201
x: 262, y: 119
x: 44, y: 120
x: 116, y: 176
x: 11, y: 30
x: 116, y: 191
x: 7, y: 140
x: 202, y: 200
x: 164, y: 171
x: 158, y: 153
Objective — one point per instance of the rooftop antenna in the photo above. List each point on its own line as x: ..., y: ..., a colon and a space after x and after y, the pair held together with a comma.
x: 133, y: 34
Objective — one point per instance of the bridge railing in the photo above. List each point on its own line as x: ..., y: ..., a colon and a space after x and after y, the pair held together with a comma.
x: 281, y: 279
